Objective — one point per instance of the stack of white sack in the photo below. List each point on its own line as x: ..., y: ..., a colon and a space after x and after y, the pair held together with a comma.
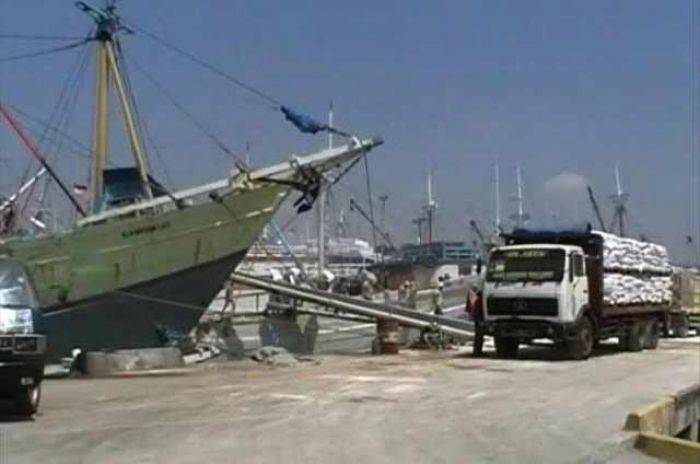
x: 625, y: 289
x: 629, y: 255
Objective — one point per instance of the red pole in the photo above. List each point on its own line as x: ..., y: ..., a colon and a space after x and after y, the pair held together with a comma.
x: 34, y: 151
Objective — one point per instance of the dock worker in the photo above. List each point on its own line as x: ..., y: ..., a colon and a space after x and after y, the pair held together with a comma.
x: 437, y: 299
x: 367, y: 289
x: 403, y: 292
x: 229, y: 301
x: 475, y: 308
x: 411, y: 295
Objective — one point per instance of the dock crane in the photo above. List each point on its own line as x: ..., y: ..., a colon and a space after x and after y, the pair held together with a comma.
x: 355, y: 207
x: 486, y: 243
x: 478, y: 232
x: 596, y: 210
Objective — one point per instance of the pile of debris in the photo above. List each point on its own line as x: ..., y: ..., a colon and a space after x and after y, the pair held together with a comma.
x: 279, y: 357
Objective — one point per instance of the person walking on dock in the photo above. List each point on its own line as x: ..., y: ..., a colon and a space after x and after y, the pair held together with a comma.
x: 475, y: 308
x: 229, y: 301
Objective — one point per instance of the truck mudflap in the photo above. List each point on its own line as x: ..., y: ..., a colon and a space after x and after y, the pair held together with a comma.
x: 528, y: 330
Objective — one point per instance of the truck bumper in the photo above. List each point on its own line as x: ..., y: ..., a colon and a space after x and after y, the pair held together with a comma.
x: 22, y: 360
x: 528, y: 330
x: 17, y: 374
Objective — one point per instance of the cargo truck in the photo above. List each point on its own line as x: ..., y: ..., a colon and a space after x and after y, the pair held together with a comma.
x: 551, y: 285
x: 22, y: 345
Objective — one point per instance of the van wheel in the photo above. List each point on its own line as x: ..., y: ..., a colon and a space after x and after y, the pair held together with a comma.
x: 651, y: 335
x: 581, y: 347
x: 27, y: 400
x: 506, y: 347
x: 634, y: 341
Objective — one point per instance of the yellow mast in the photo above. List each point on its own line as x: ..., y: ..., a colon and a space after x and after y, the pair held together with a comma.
x: 108, y: 71
x: 136, y: 147
x: 101, y: 124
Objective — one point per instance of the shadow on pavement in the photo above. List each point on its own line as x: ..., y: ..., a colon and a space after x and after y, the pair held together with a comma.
x: 8, y: 412
x: 543, y: 352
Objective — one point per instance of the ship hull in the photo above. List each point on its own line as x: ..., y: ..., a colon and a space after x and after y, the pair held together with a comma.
x: 145, y: 315
x: 141, y: 280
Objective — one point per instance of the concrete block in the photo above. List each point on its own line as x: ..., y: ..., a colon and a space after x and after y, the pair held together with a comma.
x: 687, y: 406
x: 658, y: 417
x: 668, y: 448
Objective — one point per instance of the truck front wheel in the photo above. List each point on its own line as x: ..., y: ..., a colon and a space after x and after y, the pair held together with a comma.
x: 506, y: 347
x: 27, y: 400
x: 581, y: 347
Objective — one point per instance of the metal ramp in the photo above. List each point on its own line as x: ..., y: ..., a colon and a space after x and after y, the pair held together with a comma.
x: 406, y: 317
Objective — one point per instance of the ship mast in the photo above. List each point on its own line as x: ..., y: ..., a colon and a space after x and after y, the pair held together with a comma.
x: 497, y: 191
x: 619, y: 199
x: 109, y: 72
x: 430, y: 207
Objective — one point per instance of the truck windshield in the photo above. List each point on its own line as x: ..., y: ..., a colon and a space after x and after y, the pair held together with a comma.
x: 15, y: 291
x: 526, y: 265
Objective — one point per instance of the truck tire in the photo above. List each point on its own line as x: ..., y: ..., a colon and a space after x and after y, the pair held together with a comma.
x: 682, y: 329
x: 506, y: 347
x: 634, y: 340
x: 27, y: 400
x: 651, y: 335
x: 581, y: 347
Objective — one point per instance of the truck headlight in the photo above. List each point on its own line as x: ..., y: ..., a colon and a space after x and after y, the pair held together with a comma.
x: 19, y: 321
x: 26, y: 344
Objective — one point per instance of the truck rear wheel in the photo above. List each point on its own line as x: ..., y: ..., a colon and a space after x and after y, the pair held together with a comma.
x: 651, y: 335
x: 581, y: 347
x: 506, y: 347
x: 634, y: 340
x: 27, y: 400
x: 683, y: 327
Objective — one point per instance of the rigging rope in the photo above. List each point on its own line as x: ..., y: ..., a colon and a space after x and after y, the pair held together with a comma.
x: 62, y: 112
x: 131, y: 96
x: 68, y: 111
x: 143, y: 126
x: 55, y: 112
x: 273, y: 102
x: 371, y: 203
x: 47, y: 51
x: 79, y: 149
x: 38, y: 37
x: 239, y: 161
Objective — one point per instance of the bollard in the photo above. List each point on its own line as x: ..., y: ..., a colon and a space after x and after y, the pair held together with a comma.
x: 388, y: 336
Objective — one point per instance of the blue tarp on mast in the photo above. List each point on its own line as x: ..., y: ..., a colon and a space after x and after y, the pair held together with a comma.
x: 304, y: 123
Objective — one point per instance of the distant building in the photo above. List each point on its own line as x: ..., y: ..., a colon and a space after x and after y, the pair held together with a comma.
x: 439, y: 252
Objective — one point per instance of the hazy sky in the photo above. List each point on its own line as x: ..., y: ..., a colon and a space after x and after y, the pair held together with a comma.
x: 564, y: 89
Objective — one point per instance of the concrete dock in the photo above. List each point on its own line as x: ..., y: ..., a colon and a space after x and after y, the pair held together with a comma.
x: 418, y: 406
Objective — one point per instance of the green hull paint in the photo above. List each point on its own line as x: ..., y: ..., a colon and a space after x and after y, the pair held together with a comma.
x: 101, y: 258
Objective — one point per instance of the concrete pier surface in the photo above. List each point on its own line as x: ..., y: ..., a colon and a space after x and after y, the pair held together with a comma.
x: 418, y: 406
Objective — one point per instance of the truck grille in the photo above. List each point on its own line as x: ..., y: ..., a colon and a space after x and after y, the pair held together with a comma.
x: 522, y: 306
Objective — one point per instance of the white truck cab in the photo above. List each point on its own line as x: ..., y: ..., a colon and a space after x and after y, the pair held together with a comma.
x: 538, y: 290
x: 536, y: 282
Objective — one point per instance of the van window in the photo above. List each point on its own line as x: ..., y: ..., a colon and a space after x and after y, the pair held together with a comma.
x: 578, y: 265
